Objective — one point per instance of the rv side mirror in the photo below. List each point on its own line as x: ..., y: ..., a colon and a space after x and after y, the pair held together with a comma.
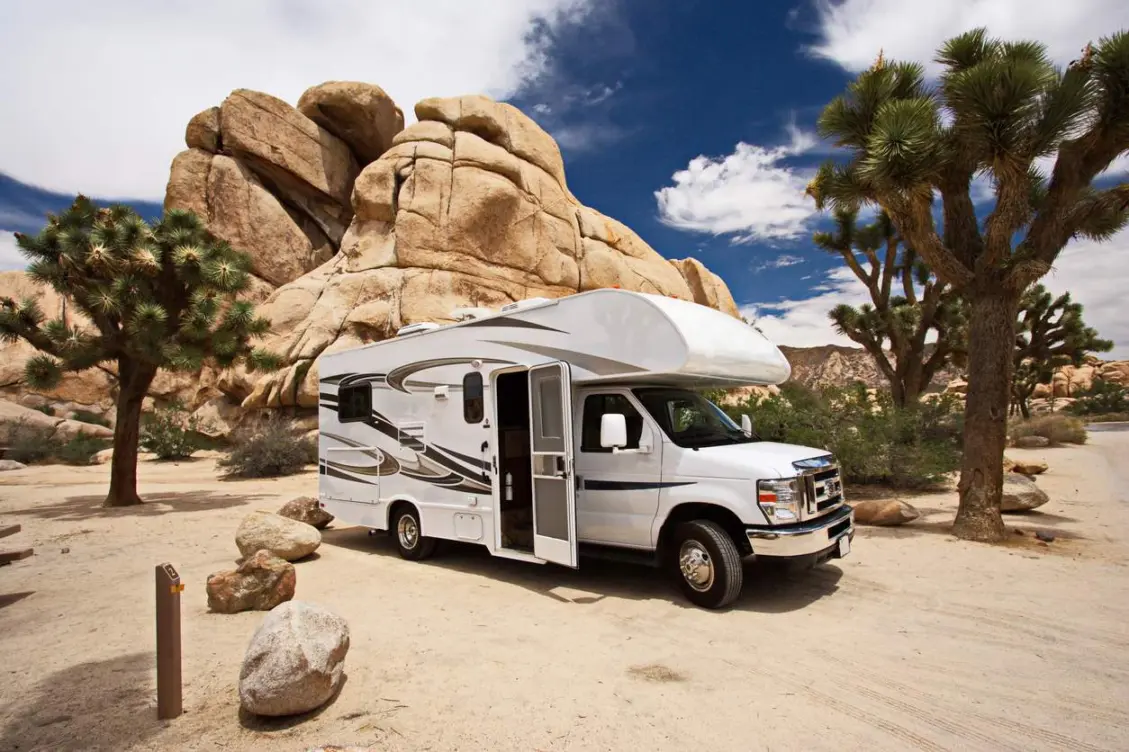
x: 746, y: 424
x: 613, y: 431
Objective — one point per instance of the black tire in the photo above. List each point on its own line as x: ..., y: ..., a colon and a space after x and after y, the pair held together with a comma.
x: 411, y: 547
x: 726, y: 576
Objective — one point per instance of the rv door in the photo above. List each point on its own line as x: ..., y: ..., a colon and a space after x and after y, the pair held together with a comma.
x: 554, y: 493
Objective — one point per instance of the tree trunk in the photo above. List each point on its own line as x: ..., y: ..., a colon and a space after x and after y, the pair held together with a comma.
x: 134, y: 381
x: 991, y: 334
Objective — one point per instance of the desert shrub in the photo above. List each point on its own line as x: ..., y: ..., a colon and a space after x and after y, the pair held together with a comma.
x: 45, y: 409
x: 1058, y: 428
x: 873, y: 440
x: 94, y: 419
x: 30, y: 444
x: 1103, y: 398
x: 81, y: 450
x: 170, y: 433
x: 269, y: 449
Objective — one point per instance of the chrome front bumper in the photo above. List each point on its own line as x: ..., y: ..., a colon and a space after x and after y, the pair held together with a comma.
x: 804, y: 538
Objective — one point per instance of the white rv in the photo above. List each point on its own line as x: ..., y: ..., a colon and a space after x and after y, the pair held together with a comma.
x: 554, y: 428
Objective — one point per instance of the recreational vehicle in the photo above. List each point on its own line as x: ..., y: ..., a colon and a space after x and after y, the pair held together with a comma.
x: 555, y: 428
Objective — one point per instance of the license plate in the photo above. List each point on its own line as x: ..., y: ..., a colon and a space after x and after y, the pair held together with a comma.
x: 844, y: 546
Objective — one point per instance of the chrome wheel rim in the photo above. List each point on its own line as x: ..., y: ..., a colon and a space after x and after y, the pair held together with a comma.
x: 696, y: 565
x: 408, y: 531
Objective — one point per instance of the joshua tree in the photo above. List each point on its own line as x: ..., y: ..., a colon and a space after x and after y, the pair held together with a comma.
x: 998, y: 108
x: 155, y: 297
x: 1050, y: 334
x: 898, y: 313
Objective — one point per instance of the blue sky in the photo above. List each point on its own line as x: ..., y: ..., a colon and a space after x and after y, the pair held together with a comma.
x: 691, y: 121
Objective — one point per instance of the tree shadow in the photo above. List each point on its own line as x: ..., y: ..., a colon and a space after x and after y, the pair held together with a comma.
x: 267, y: 724
x: 767, y: 588
x: 8, y: 599
x: 78, y: 508
x: 108, y: 704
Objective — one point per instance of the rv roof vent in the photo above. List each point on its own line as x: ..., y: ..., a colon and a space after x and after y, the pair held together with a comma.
x: 527, y: 303
x: 423, y: 326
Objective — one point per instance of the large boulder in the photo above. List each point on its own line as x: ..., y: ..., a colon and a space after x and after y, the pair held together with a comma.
x: 285, y: 538
x: 6, y: 465
x: 1021, y: 494
x: 306, y: 509
x: 203, y: 131
x: 295, y: 662
x: 235, y: 207
x: 261, y: 582
x: 884, y: 512
x: 360, y: 114
x: 302, y: 163
x: 1032, y: 442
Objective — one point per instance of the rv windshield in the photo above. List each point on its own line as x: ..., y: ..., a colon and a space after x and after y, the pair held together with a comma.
x: 689, y: 419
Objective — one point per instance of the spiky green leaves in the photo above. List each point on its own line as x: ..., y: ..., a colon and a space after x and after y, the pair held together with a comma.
x: 43, y: 372
x: 263, y: 360
x: 1110, y: 67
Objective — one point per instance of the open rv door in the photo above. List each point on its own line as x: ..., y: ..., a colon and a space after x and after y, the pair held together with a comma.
x: 554, y: 492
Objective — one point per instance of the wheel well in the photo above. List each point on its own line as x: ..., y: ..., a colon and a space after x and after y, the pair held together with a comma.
x: 397, y: 506
x: 728, y: 521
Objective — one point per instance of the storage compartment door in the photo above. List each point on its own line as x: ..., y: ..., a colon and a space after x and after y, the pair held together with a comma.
x: 554, y: 493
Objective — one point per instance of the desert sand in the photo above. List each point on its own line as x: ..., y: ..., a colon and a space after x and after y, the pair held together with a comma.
x: 916, y: 641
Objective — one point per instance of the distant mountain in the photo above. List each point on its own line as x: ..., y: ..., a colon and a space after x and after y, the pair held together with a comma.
x: 24, y: 208
x: 835, y: 365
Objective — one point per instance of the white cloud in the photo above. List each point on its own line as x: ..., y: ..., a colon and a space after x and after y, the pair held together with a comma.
x: 97, y: 95
x: 748, y: 194
x: 1096, y: 275
x: 853, y: 31
x: 782, y: 261
x: 804, y: 323
x: 10, y: 256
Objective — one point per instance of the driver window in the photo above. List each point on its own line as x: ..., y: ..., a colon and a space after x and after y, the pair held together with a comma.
x: 595, y: 406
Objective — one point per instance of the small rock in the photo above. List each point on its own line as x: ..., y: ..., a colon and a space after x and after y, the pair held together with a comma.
x: 295, y: 662
x: 1021, y: 494
x: 1029, y: 467
x: 106, y: 455
x: 285, y: 538
x: 261, y: 582
x: 1032, y: 442
x: 306, y: 509
x: 1045, y: 537
x: 65, y: 551
x: 6, y: 465
x: 884, y: 512
x: 1017, y: 531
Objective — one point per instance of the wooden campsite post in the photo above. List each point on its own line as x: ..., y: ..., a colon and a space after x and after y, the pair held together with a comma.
x: 168, y: 642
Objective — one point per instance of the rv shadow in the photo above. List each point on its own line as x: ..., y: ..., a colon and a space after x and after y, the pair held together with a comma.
x: 767, y: 589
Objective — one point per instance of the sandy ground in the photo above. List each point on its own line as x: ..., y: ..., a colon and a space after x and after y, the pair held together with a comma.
x: 916, y: 641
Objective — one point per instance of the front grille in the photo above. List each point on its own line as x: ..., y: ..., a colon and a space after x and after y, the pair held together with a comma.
x: 823, y: 485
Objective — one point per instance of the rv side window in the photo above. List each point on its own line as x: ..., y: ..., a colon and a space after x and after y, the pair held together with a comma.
x: 473, y: 408
x: 595, y: 406
x: 354, y: 403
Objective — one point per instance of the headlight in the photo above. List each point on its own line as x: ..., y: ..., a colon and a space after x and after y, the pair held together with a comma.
x: 780, y: 500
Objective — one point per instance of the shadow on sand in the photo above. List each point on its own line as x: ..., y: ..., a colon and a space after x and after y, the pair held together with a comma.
x: 767, y: 589
x: 107, y: 704
x: 8, y: 599
x: 77, y: 508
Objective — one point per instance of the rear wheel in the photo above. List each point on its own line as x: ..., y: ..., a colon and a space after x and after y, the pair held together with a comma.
x: 707, y: 564
x: 411, y: 544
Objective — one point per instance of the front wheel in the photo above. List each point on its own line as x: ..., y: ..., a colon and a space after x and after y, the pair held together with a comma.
x: 707, y: 563
x: 411, y: 544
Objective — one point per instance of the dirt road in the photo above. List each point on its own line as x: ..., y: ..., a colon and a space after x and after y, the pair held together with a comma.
x: 917, y: 641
